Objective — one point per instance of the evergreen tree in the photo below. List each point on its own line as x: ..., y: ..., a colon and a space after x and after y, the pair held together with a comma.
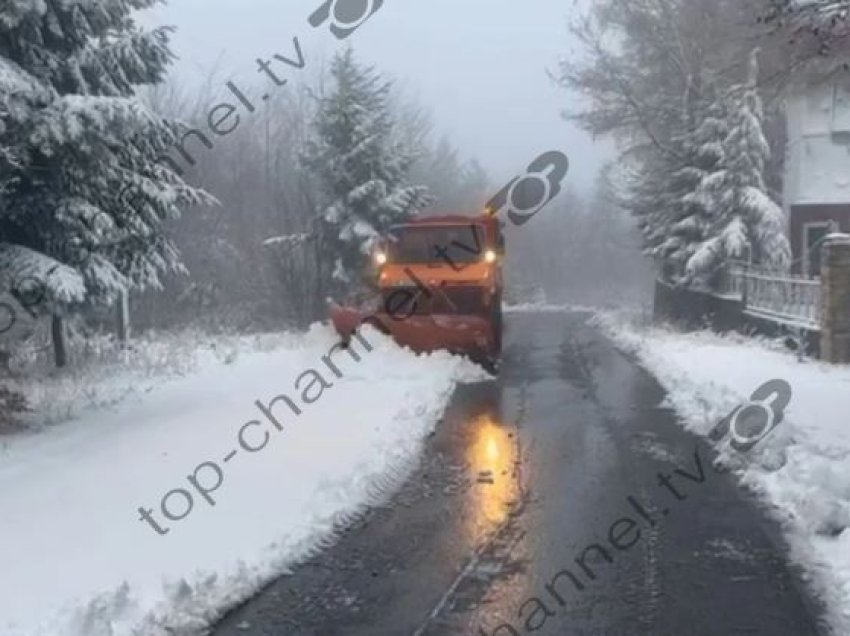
x: 84, y: 208
x: 648, y: 198
x: 744, y: 219
x: 361, y: 166
x: 20, y: 91
x: 692, y: 212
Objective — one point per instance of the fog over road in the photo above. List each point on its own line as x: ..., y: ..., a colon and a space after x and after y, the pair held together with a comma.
x: 562, y: 498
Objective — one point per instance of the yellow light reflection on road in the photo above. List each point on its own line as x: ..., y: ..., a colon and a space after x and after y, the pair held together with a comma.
x: 492, y: 458
x: 492, y: 450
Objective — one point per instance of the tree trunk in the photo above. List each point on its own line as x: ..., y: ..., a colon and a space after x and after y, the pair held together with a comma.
x: 60, y: 349
x: 320, y: 292
x: 122, y: 317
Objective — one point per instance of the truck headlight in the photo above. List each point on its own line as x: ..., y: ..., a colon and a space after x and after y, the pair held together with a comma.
x: 490, y: 256
x: 381, y: 258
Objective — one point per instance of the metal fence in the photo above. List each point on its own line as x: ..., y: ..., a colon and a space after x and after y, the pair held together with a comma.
x: 784, y: 298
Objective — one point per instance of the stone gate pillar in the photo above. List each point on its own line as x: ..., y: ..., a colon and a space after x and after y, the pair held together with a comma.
x: 835, y: 299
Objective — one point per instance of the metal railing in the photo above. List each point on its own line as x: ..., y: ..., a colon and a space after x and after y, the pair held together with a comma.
x: 786, y: 298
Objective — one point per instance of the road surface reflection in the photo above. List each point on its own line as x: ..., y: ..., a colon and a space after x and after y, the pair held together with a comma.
x: 492, y: 459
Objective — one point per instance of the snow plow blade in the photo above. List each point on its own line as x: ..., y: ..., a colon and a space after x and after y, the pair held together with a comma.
x: 462, y: 334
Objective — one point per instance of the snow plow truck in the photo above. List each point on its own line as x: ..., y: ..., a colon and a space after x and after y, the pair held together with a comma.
x: 439, y: 286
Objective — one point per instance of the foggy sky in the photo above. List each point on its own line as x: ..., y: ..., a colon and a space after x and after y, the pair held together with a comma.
x: 478, y: 66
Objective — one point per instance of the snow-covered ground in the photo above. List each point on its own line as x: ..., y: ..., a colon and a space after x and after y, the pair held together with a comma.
x: 802, y: 469
x: 79, y: 558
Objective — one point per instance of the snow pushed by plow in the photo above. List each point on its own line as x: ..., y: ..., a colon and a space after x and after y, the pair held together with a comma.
x: 70, y: 495
x: 802, y: 469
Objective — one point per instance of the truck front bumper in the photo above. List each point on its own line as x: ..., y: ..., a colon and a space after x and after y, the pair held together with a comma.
x: 464, y: 334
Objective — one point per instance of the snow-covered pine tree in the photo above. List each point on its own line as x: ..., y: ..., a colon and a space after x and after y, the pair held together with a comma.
x: 647, y: 197
x: 84, y: 207
x: 702, y: 150
x: 19, y: 90
x: 361, y: 167
x: 744, y: 219
x: 664, y: 194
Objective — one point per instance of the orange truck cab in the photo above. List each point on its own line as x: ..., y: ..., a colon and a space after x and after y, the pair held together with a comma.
x: 439, y: 285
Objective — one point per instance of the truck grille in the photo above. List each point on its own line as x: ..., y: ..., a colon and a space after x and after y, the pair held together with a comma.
x: 448, y: 300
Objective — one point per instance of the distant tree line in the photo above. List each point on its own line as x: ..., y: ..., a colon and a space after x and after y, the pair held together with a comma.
x: 584, y: 250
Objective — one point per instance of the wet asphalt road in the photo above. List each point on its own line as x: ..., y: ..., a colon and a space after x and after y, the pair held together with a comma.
x: 538, y: 509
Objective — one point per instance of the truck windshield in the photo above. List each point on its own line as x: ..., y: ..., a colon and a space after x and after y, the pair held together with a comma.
x: 455, y: 244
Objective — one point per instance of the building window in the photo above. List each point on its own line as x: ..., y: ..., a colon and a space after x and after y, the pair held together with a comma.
x: 841, y: 111
x: 813, y: 236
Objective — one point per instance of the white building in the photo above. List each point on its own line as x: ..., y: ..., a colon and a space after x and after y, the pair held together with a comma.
x: 817, y: 172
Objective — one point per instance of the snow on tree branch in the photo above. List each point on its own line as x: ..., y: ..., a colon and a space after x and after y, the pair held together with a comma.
x: 41, y: 275
x: 81, y: 166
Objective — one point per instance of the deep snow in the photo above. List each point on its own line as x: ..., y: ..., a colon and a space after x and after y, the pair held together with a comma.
x: 75, y: 558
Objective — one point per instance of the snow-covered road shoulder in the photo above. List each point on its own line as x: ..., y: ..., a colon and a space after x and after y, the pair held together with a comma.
x: 802, y: 469
x: 151, y: 517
